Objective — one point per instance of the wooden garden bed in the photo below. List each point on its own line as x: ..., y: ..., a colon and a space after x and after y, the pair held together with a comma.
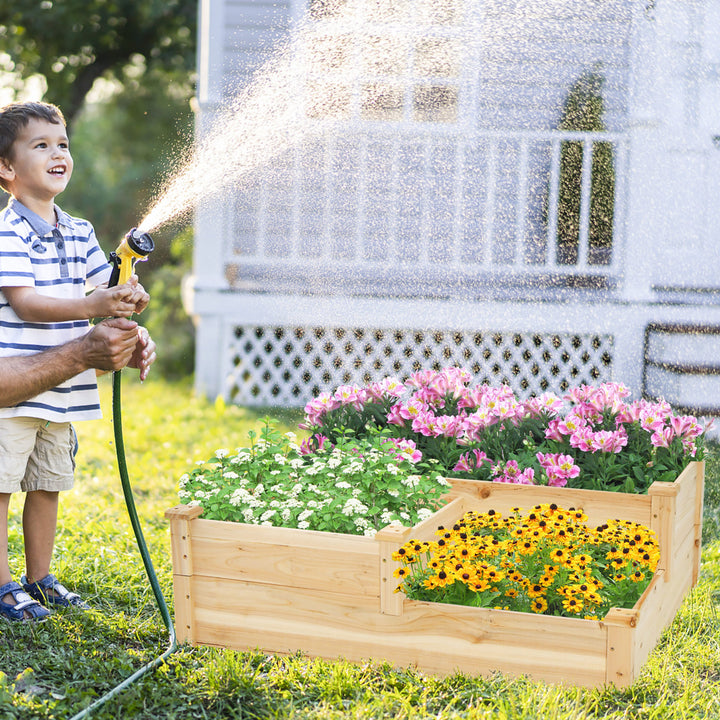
x: 282, y: 590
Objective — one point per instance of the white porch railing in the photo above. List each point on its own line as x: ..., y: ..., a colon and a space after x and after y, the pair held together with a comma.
x: 423, y: 203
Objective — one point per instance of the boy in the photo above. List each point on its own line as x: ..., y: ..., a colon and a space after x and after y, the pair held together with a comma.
x: 46, y: 257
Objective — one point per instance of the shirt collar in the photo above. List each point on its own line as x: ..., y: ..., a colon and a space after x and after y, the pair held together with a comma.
x: 38, y: 224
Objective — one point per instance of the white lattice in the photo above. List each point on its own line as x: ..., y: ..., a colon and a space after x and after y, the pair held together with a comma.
x: 286, y: 366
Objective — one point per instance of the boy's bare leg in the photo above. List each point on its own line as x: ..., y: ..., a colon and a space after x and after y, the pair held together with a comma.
x: 5, y: 576
x: 39, y: 525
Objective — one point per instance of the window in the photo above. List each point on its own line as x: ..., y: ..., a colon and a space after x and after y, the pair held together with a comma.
x: 384, y: 60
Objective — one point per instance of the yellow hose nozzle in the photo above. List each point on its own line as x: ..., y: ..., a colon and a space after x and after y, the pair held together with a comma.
x: 136, y: 245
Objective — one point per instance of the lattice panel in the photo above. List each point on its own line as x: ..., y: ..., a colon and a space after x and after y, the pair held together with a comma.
x: 287, y: 366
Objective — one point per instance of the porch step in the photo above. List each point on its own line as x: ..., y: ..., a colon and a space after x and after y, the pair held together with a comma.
x: 682, y: 365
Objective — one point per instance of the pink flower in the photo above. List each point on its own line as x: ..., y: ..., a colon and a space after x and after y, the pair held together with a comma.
x: 424, y: 423
x: 558, y: 468
x: 582, y: 439
x: 511, y: 473
x: 570, y: 424
x: 318, y: 407
x: 314, y: 444
x: 387, y: 387
x: 662, y: 437
x: 420, y: 379
x: 412, y: 409
x: 351, y: 395
x: 470, y: 460
x: 394, y: 416
x: 448, y: 425
x: 552, y: 432
x: 407, y: 450
x: 547, y: 403
x: 609, y: 441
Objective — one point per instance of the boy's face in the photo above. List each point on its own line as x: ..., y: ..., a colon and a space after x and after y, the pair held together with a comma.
x: 41, y: 164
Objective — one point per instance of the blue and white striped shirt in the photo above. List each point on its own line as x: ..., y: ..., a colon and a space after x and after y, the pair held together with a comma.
x: 57, y: 262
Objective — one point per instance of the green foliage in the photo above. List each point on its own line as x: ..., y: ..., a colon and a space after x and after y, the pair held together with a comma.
x: 72, y: 43
x: 583, y: 112
x: 76, y: 657
x: 356, y: 487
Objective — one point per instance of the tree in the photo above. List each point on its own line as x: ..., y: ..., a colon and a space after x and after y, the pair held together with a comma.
x: 72, y: 43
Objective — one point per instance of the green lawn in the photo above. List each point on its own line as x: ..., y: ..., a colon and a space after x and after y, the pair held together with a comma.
x: 54, y: 669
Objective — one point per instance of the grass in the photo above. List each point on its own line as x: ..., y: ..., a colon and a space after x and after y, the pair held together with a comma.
x: 55, y: 669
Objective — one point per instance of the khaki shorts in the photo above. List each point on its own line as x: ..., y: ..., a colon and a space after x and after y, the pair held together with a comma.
x: 36, y: 455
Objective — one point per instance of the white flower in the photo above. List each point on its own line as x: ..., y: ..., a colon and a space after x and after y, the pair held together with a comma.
x: 267, y: 515
x: 411, y: 481
x: 304, y: 515
x: 386, y: 517
x: 230, y: 475
x: 424, y: 513
x: 291, y: 436
x: 393, y: 469
x: 297, y: 463
x: 333, y: 461
x: 279, y: 459
x: 369, y: 532
x: 354, y: 507
x: 221, y: 453
x: 303, y: 525
x: 183, y: 479
x: 442, y: 481
x: 343, y: 485
x: 393, y: 493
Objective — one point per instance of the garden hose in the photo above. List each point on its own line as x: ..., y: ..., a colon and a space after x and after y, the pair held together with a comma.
x: 134, y: 246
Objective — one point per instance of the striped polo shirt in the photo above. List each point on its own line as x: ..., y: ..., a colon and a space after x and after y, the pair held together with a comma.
x: 57, y: 262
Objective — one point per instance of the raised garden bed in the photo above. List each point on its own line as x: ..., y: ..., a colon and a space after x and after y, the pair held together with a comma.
x: 282, y: 590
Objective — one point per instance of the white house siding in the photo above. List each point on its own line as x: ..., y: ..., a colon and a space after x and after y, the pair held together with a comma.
x: 332, y: 265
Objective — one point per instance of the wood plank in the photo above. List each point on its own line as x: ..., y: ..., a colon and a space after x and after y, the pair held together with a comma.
x: 437, y: 639
x: 598, y: 506
x: 351, y: 567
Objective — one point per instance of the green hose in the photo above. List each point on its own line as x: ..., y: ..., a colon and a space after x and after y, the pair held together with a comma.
x: 142, y: 546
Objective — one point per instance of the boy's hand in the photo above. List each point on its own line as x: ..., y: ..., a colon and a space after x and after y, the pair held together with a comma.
x: 140, y: 297
x: 119, y: 301
x: 111, y: 302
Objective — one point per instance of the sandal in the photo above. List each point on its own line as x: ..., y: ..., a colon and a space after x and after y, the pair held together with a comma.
x: 25, y: 607
x: 50, y: 591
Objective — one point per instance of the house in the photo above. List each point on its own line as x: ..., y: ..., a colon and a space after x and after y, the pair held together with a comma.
x: 529, y: 190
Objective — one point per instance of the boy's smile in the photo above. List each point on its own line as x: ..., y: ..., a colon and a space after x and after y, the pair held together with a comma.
x: 40, y: 167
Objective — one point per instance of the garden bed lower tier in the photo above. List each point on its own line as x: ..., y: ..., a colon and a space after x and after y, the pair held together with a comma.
x: 329, y: 595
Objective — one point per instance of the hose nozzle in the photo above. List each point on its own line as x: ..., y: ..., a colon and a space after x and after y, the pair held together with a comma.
x: 136, y: 245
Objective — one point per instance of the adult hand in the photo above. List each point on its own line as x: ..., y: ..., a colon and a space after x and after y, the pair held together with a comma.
x: 110, y: 344
x: 144, y: 354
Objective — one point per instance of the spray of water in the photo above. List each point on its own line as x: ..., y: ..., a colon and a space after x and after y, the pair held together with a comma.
x: 263, y: 121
